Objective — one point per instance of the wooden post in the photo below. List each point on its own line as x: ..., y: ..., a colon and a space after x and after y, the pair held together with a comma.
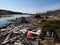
x: 38, y: 41
x: 52, y: 35
x: 53, y: 38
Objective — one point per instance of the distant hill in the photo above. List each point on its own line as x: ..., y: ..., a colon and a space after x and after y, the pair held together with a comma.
x: 8, y: 12
x: 55, y: 13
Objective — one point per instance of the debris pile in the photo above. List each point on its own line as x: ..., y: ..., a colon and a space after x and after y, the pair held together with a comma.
x: 16, y: 35
x: 21, y: 33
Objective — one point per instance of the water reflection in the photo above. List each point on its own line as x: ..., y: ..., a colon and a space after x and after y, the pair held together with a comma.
x: 4, y: 18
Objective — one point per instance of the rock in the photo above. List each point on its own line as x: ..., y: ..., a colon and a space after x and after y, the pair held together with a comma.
x: 37, y: 16
x: 22, y: 20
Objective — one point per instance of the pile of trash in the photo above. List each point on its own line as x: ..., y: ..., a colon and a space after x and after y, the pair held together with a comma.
x: 15, y: 35
x: 12, y: 34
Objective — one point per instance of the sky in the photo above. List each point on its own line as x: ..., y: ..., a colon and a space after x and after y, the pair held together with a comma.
x: 30, y: 6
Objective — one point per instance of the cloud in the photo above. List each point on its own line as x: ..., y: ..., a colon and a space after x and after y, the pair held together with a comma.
x: 43, y: 9
x: 30, y: 10
x: 37, y: 10
x: 51, y: 8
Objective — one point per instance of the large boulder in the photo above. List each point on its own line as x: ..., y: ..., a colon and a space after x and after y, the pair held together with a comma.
x: 22, y: 20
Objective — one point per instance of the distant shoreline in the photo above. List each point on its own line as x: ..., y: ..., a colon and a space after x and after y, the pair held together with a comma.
x: 3, y: 12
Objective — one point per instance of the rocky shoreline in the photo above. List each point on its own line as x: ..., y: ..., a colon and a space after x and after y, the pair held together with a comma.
x: 15, y: 33
x: 12, y: 34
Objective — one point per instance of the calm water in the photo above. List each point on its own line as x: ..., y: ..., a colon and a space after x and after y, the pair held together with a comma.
x: 4, y: 19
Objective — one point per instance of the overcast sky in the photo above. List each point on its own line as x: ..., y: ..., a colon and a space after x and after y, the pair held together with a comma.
x: 30, y: 6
